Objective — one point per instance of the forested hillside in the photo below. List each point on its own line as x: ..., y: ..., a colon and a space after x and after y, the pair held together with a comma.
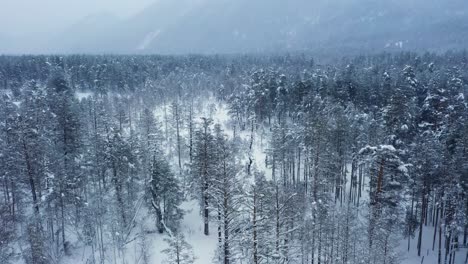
x: 234, y: 159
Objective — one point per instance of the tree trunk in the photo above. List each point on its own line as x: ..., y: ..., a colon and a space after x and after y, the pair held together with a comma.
x: 254, y: 226
x: 118, y: 193
x: 380, y: 179
x: 159, y: 216
x: 277, y: 220
x: 435, y: 226
x: 206, y: 214
x: 465, y: 235
x: 319, y: 253
x: 32, y: 184
x: 360, y: 184
x: 465, y: 231
x: 313, y: 241
x: 191, y: 132
x: 220, y: 233
x: 423, y: 204
x: 439, y: 259
x: 250, y: 148
x: 448, y: 242
x: 298, y: 174
x: 206, y: 186
x: 410, y: 230
x: 226, y: 225
x: 178, y: 137
x: 62, y: 219
x: 178, y: 251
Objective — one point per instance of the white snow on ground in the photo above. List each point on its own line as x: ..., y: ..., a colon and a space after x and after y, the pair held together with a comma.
x: 80, y: 95
x: 192, y: 228
x: 203, y: 246
x: 430, y: 257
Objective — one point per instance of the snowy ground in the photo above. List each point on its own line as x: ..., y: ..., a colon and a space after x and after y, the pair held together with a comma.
x: 203, y: 246
x: 192, y: 227
x: 430, y: 257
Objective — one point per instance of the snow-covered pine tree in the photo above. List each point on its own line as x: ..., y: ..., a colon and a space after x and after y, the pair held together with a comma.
x: 203, y: 168
x: 166, y: 196
x: 226, y: 194
x: 179, y: 251
x: 388, y: 178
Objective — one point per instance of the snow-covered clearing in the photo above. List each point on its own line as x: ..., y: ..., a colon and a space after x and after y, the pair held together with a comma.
x: 192, y: 228
x: 204, y: 247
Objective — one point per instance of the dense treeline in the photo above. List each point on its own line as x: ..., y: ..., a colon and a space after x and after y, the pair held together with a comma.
x: 400, y: 119
x: 363, y: 155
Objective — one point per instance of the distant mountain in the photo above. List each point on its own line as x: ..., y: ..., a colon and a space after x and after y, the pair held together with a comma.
x: 239, y: 26
x: 132, y: 35
x: 94, y: 34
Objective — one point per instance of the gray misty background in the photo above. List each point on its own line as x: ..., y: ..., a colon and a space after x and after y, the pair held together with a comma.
x: 231, y: 26
x: 25, y: 17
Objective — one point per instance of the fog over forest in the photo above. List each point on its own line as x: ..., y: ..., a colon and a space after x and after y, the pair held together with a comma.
x: 344, y: 27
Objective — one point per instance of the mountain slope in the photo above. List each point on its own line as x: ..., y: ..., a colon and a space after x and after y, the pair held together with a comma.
x: 239, y: 26
x: 92, y: 34
x: 225, y: 26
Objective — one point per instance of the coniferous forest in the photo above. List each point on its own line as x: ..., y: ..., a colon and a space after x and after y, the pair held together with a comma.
x: 234, y: 159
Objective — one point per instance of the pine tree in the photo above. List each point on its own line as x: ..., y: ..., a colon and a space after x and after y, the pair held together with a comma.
x: 7, y: 234
x: 63, y: 108
x: 176, y: 113
x: 119, y: 162
x: 166, y: 196
x: 225, y: 191
x: 387, y: 180
x: 203, y: 167
x: 179, y: 251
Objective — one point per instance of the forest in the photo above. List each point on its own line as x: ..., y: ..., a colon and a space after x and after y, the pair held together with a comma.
x: 234, y: 159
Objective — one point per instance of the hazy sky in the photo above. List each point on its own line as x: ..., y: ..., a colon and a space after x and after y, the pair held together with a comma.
x: 25, y: 17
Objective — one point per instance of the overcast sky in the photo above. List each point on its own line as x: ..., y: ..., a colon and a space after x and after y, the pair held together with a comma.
x: 26, y: 17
